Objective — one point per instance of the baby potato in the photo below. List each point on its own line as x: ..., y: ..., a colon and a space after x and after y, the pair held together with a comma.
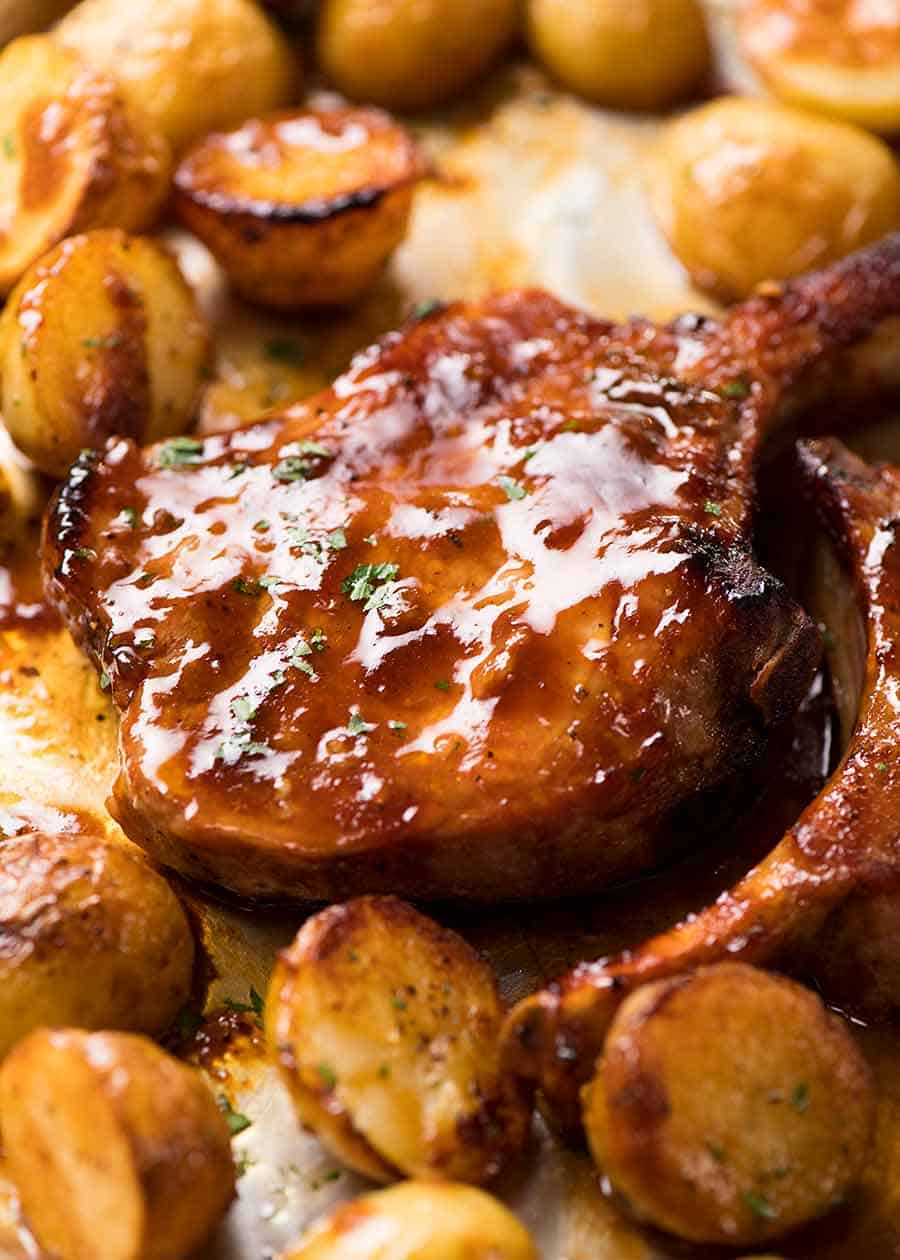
x: 418, y: 1220
x: 411, y: 54
x: 627, y: 54
x: 385, y: 1028
x: 117, y: 1149
x: 90, y: 935
x: 73, y: 154
x: 838, y: 57
x: 302, y: 208
x: 192, y: 65
x: 748, y: 191
x: 729, y: 1105
x: 101, y: 336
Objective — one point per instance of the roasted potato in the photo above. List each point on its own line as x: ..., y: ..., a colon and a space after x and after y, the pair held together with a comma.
x: 73, y: 154
x: 418, y: 1220
x: 620, y: 53
x: 838, y: 57
x: 91, y: 936
x: 729, y: 1105
x: 854, y: 956
x: 302, y: 208
x: 385, y: 1027
x: 192, y: 65
x: 748, y: 191
x: 411, y: 54
x: 101, y: 336
x: 117, y: 1150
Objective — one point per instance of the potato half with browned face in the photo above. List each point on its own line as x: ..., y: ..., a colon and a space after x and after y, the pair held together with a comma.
x: 90, y: 935
x: 385, y: 1027
x: 74, y: 154
x: 303, y: 208
x: 117, y: 1150
x: 729, y: 1105
x: 102, y: 336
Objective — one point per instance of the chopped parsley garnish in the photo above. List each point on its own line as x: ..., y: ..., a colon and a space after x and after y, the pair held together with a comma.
x: 180, y: 451
x: 291, y: 469
x: 256, y: 1001
x: 129, y: 516
x: 759, y: 1205
x: 511, y: 489
x: 881, y: 766
x: 299, y: 654
x: 105, y: 683
x: 426, y: 308
x: 261, y: 527
x: 240, y: 744
x: 318, y: 639
x: 236, y: 1122
x: 738, y: 388
x: 245, y: 587
x: 384, y: 1071
x: 357, y: 724
x: 398, y: 1001
x: 269, y: 583
x: 9, y: 146
x: 243, y: 709
x: 442, y: 684
x: 98, y: 343
x: 394, y: 725
x: 800, y: 1097
x: 188, y: 1021
x: 84, y: 553
x: 712, y: 509
x: 337, y: 540
x: 285, y: 350
x: 327, y: 1075
x: 371, y: 584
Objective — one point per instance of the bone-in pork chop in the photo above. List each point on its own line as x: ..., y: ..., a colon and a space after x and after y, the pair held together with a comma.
x: 478, y: 620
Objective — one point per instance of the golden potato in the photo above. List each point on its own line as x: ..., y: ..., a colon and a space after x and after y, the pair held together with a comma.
x: 302, y: 208
x: 117, y: 1150
x: 73, y: 154
x: 729, y: 1105
x: 418, y: 1220
x: 748, y: 191
x: 91, y: 936
x: 101, y: 336
x: 385, y: 1027
x: 411, y: 54
x: 192, y: 65
x: 627, y: 54
x: 839, y: 57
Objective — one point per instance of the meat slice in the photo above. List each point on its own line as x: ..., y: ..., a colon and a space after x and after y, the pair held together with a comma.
x: 476, y: 622
x: 836, y: 870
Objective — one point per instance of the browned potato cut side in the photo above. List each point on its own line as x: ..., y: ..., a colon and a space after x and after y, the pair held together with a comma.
x: 117, y: 1149
x: 102, y: 336
x: 627, y: 56
x: 73, y: 154
x: 411, y: 54
x: 191, y: 65
x: 302, y: 208
x: 90, y: 935
x: 748, y: 191
x: 386, y: 1027
x: 418, y: 1221
x: 729, y: 1105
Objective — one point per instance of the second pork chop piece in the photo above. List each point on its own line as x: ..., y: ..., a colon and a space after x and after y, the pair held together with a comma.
x: 475, y: 622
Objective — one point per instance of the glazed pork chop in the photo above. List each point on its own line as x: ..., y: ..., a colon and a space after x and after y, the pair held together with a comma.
x: 480, y: 621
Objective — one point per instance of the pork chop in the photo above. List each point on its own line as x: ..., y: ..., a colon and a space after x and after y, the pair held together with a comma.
x: 477, y: 621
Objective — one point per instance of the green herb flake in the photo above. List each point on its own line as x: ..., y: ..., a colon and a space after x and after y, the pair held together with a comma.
x: 261, y: 527
x: 716, y: 1151
x: 236, y: 1122
x: 394, y: 725
x: 84, y: 553
x: 99, y: 343
x: 800, y: 1097
x: 269, y: 583
x: 398, y: 1001
x: 384, y: 1071
x: 9, y: 146
x: 129, y: 516
x: 337, y: 540
x: 881, y: 767
x: 318, y: 639
x: 712, y: 509
x: 256, y: 1001
x: 429, y: 307
x: 511, y: 488
x: 179, y: 452
x: 293, y: 468
x: 759, y: 1205
x: 370, y: 584
x: 244, y: 710
x: 442, y: 684
x: 245, y: 587
x: 188, y: 1022
x: 327, y: 1075
x: 738, y: 388
x: 105, y: 683
x: 285, y: 350
x: 357, y: 724
x: 243, y: 1164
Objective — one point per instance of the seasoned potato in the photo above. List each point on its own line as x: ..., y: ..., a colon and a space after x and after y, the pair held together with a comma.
x: 385, y: 1027
x: 192, y: 65
x: 117, y: 1150
x: 729, y: 1105
x: 91, y: 936
x: 101, y: 336
x: 839, y: 57
x: 418, y: 1220
x: 854, y: 956
x: 302, y: 208
x: 748, y: 191
x: 622, y: 53
x: 411, y: 54
x: 73, y: 154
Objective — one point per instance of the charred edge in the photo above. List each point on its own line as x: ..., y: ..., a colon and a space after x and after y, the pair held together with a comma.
x: 69, y: 513
x: 266, y: 213
x: 734, y: 568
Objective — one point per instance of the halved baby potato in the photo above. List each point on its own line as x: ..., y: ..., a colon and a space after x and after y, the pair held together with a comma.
x: 385, y: 1027
x: 102, y: 336
x: 190, y: 65
x: 117, y: 1150
x: 840, y: 57
x: 418, y: 1220
x: 73, y: 154
x: 90, y: 935
x: 302, y: 208
x: 729, y: 1105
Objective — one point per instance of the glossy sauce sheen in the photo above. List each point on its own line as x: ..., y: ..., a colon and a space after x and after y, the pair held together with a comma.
x: 572, y: 640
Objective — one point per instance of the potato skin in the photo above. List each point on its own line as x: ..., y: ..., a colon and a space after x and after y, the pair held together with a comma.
x: 302, y: 208
x: 748, y: 191
x: 74, y: 155
x: 385, y: 1028
x: 90, y: 935
x: 729, y: 1105
x: 102, y: 335
x: 411, y: 54
x: 191, y: 65
x: 418, y: 1220
x: 627, y: 54
x: 117, y: 1149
